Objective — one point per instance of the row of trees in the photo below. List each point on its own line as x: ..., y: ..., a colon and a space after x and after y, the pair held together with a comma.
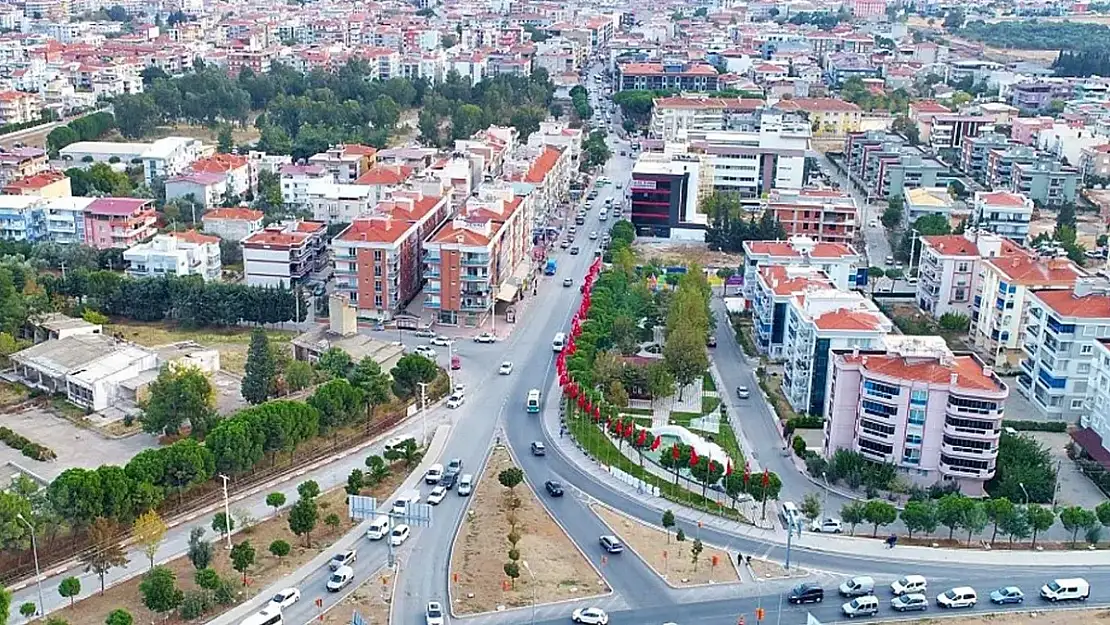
x: 580, y: 100
x: 455, y: 109
x: 728, y: 227
x: 596, y: 149
x: 856, y: 91
x: 1033, y: 34
x: 88, y: 128
x: 1082, y: 63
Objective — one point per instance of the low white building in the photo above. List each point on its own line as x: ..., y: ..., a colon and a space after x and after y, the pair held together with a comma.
x: 233, y: 224
x: 334, y: 203
x: 178, y: 254
x: 160, y: 159
x: 1003, y: 213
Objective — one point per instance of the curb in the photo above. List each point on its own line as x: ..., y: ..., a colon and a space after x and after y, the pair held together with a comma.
x: 343, y: 597
x: 666, y: 581
x: 457, y: 531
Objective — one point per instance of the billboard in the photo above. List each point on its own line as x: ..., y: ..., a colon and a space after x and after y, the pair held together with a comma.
x: 642, y: 184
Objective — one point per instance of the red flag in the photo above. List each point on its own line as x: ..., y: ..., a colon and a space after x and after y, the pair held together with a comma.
x: 747, y: 473
x: 642, y: 438
x: 629, y: 429
x: 608, y: 424
x: 597, y: 411
x: 655, y: 443
x: 674, y: 452
x: 766, y: 478
x: 728, y: 468
x: 693, y: 457
x: 711, y: 465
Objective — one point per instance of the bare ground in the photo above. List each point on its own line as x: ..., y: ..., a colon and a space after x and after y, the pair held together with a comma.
x: 672, y: 560
x: 481, y: 551
x: 267, y: 569
x: 371, y: 600
x: 1030, y: 617
x: 232, y: 343
x: 766, y: 569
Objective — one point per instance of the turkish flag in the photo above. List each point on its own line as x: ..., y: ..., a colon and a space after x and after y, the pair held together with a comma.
x: 573, y: 390
x: 629, y: 429
x: 674, y: 451
x: 642, y: 438
x: 597, y: 412
x: 711, y: 466
x: 766, y: 478
x: 581, y: 401
x: 693, y: 457
x: 655, y: 443
x: 728, y: 468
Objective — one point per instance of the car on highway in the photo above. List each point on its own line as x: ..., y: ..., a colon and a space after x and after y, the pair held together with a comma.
x: 505, y: 369
x: 436, y: 496
x: 611, y: 544
x: 1007, y: 594
x: 343, y: 558
x: 742, y: 392
x: 808, y: 592
x: 593, y: 235
x: 424, y: 334
x: 466, y: 485
x: 285, y: 598
x: 553, y: 488
x: 858, y: 586
x: 568, y: 282
x: 399, y: 535
x: 575, y: 250
x: 456, y: 400
x: 910, y: 603
x: 433, y: 614
x: 340, y: 578
x: 455, y: 465
x: 590, y: 616
x: 432, y: 475
x: 485, y: 337
x: 827, y: 526
x: 538, y: 449
x: 959, y: 597
x: 908, y: 584
x: 440, y: 341
x: 874, y: 223
x: 564, y: 244
x: 449, y: 480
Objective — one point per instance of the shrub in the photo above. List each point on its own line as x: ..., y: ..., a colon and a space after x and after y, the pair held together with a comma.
x: 805, y: 422
x: 1036, y: 426
x: 195, y: 604
x: 207, y: 579
x: 225, y: 594
x: 799, y: 446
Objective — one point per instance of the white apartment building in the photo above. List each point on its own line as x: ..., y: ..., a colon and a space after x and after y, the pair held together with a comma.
x: 283, y: 255
x: 1003, y: 213
x: 178, y: 254
x: 295, y: 180
x: 816, y: 324
x: 1061, y: 330
x: 949, y: 268
x: 17, y: 107
x: 338, y: 203
x: 752, y: 163
x: 65, y: 219
x: 838, y: 261
x: 559, y: 135
x: 999, y: 307
x: 775, y: 287
x: 1094, y: 433
x: 672, y: 116
x: 163, y: 158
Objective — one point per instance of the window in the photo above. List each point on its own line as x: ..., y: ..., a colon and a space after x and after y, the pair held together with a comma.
x: 1086, y: 349
x: 881, y: 390
x: 911, y: 456
x: 1076, y: 404
x: 377, y: 254
x: 1083, y: 368
x: 917, y: 416
x: 919, y: 397
x: 913, y: 439
x: 377, y: 301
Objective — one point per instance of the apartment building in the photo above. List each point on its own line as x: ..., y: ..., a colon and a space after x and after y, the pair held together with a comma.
x: 1003, y: 213
x: 549, y: 173
x: 382, y: 178
x: 46, y: 184
x: 933, y: 414
x: 560, y: 136
x: 817, y: 323
x: 1093, y: 434
x: 1046, y: 181
x: 345, y: 162
x: 923, y: 201
x: 285, y: 254
x: 478, y: 258
x: 775, y: 286
x: 668, y: 76
x: 64, y: 219
x: 826, y: 215
x: 999, y: 307
x: 239, y: 177
x: 17, y: 107
x: 295, y: 180
x: 1095, y: 161
x: 950, y: 131
x: 19, y: 163
x: 334, y: 203
x: 1001, y: 161
x: 232, y: 224
x: 20, y: 218
x: 663, y: 196
x: 1058, y: 345
x: 949, y: 270
x: 753, y: 163
x: 882, y: 165
x: 206, y: 190
x: 119, y: 222
x: 187, y: 253
x: 670, y: 116
x: 379, y: 258
x: 840, y: 262
x: 975, y: 150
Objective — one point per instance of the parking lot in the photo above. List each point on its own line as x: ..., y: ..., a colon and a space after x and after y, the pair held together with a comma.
x: 74, y: 446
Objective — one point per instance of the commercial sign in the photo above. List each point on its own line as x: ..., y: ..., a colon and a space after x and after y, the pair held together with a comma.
x: 642, y: 184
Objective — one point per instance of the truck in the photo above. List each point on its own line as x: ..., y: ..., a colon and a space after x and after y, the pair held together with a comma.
x: 551, y: 267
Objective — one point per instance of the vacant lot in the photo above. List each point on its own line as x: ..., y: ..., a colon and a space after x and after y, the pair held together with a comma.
x: 481, y: 550
x: 240, y: 135
x: 232, y: 343
x: 670, y: 558
x: 1070, y: 617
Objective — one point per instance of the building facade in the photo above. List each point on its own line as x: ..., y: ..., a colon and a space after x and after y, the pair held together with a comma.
x: 119, y: 222
x: 284, y: 255
x: 1003, y: 213
x: 826, y: 215
x: 179, y: 254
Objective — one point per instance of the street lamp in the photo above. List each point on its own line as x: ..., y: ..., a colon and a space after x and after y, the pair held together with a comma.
x: 227, y: 511
x: 533, y: 576
x: 1022, y: 485
x: 35, y: 552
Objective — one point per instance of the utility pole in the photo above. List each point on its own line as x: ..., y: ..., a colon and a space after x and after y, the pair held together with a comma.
x: 423, y: 412
x: 63, y: 264
x: 35, y: 551
x: 227, y: 511
x: 791, y: 525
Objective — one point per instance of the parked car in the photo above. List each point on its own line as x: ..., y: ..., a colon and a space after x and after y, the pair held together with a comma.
x: 426, y: 352
x: 590, y: 616
x: 827, y: 526
x: 440, y: 341
x: 456, y: 400
x: 908, y: 584
x: 433, y: 614
x: 485, y: 337
x: 959, y: 597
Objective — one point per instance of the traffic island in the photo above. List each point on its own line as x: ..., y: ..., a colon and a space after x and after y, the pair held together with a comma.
x: 763, y: 570
x: 372, y: 601
x: 671, y: 559
x: 547, y: 567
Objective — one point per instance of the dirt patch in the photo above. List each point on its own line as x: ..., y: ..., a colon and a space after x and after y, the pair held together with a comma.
x: 12, y: 394
x: 671, y: 559
x: 766, y: 569
x: 1049, y: 617
x: 371, y: 600
x: 481, y: 551
x: 239, y: 134
x: 267, y: 569
x: 232, y: 343
x: 686, y: 254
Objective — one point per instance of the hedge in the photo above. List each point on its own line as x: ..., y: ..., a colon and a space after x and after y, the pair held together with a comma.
x: 27, y: 447
x: 1036, y: 426
x: 805, y: 422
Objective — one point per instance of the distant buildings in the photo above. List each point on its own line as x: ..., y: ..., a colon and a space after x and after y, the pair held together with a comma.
x: 178, y: 254
x: 826, y: 215
x: 232, y: 224
x: 667, y: 76
x: 160, y: 159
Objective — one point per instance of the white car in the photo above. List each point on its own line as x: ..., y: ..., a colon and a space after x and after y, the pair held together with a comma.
x: 485, y: 337
x: 285, y: 598
x: 506, y: 368
x: 590, y: 616
x: 593, y: 235
x: 433, y: 615
x: 459, y: 389
x: 433, y: 474
x: 440, y: 340
x: 399, y: 535
x: 426, y: 352
x: 455, y: 400
x: 436, y: 496
x: 827, y: 526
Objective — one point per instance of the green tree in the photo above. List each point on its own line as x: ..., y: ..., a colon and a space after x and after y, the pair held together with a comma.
x: 407, y: 452
x: 261, y: 373
x: 668, y: 522
x: 159, y: 590
x: 242, y: 557
x: 69, y: 588
x: 334, y: 363
x: 1015, y: 525
x: 308, y: 489
x: 878, y: 514
x: 512, y: 571
x: 298, y: 375
x: 1040, y: 519
x: 920, y: 516
x: 510, y: 478
x: 207, y: 579
x: 685, y: 355
x: 275, y: 501
x: 377, y: 470
x: 369, y: 378
x: 136, y: 114
x: 355, y: 482
x: 892, y: 216
x: 178, y: 395
x: 1075, y: 518
x: 27, y: 609
x: 119, y: 617
x: 223, y: 523
x: 148, y: 531
x: 811, y: 506
x: 998, y: 509
x: 338, y: 403
x: 975, y: 519
x: 200, y: 550
x: 302, y: 519
x: 279, y: 549
x: 952, y: 509
x: 105, y: 552
x: 1023, y: 461
x: 1102, y: 511
x: 225, y: 142
x: 695, y: 552
x: 409, y: 372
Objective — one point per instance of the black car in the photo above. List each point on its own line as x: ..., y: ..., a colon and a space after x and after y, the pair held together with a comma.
x: 574, y: 251
x: 555, y: 489
x: 449, y: 480
x: 808, y: 592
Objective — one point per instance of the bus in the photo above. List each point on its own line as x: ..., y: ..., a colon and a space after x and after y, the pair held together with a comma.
x: 559, y: 342
x: 533, y: 404
x: 268, y: 616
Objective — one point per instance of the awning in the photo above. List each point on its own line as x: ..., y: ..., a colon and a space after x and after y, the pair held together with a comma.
x: 507, y: 292
x: 1091, y: 442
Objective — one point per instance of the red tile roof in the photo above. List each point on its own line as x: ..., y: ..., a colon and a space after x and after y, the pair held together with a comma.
x: 1030, y: 271
x: 218, y: 164
x: 385, y: 175
x: 731, y: 104
x: 640, y: 69
x: 118, y: 206
x: 34, y: 182
x: 244, y: 214
x: 1002, y: 198
x: 192, y: 236
x: 783, y: 283
x: 969, y: 372
x: 1066, y: 304
x: 543, y: 165
x: 844, y: 319
x: 952, y: 245
x: 929, y: 106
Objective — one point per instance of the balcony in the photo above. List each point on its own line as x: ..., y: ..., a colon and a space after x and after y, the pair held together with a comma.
x: 962, y: 428
x: 474, y: 277
x: 475, y: 260
x: 969, y: 452
x: 953, y: 467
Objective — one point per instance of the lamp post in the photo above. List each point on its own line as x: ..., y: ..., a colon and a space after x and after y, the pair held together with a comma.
x: 35, y: 552
x: 533, y: 576
x: 423, y: 410
x: 1025, y: 492
x: 227, y: 511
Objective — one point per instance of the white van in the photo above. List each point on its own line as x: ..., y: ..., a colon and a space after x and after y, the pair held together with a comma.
x: 603, y: 215
x: 857, y: 586
x: 402, y: 503
x: 466, y: 484
x: 340, y: 578
x: 908, y: 584
x: 960, y: 597
x: 433, y: 474
x: 379, y: 528
x: 791, y: 516
x: 1073, y: 589
x: 559, y: 342
x: 867, y: 605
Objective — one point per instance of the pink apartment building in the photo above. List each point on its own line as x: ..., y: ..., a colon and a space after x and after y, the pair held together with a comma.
x: 119, y: 222
x: 935, y: 415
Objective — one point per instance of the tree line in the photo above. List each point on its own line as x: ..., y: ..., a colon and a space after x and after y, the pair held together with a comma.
x: 87, y: 128
x: 1082, y: 63
x: 729, y: 229
x: 455, y: 109
x: 1077, y: 37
